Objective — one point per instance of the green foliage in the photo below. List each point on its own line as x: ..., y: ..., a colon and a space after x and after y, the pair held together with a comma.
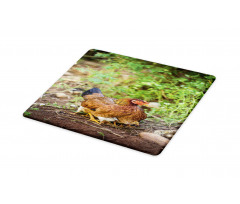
x: 32, y: 108
x: 56, y: 105
x: 101, y: 133
x: 26, y: 114
x: 176, y: 90
x: 62, y: 85
x: 75, y: 99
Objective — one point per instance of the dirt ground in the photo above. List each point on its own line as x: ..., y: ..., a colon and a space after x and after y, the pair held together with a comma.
x: 125, y: 136
x: 58, y: 110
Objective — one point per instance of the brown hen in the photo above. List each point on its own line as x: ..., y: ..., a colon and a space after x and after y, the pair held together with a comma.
x: 126, y: 111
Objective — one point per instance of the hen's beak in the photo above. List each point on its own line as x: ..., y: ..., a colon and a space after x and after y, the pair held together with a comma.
x: 152, y: 105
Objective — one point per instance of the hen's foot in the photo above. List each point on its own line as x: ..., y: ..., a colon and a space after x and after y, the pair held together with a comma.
x: 105, y: 122
x: 109, y: 123
x: 121, y: 125
x: 93, y: 119
x: 133, y: 124
x: 115, y: 124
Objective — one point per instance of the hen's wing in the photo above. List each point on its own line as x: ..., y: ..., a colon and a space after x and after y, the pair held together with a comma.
x: 117, y: 111
x: 95, y: 103
x: 137, y: 115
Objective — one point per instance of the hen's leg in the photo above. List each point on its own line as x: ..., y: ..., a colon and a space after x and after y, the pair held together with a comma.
x: 88, y: 111
x: 136, y: 123
x: 93, y: 119
x: 105, y: 122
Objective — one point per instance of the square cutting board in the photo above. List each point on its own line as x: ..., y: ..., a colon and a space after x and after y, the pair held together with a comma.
x: 170, y: 94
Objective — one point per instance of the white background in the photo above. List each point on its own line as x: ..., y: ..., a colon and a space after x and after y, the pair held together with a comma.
x: 40, y: 163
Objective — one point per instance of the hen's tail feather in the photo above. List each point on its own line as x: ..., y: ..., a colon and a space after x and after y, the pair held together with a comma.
x: 91, y: 91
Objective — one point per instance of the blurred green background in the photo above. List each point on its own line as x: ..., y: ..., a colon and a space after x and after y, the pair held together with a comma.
x: 176, y: 90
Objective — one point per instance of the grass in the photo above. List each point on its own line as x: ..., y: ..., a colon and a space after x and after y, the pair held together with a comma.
x: 176, y: 90
x: 26, y: 113
x: 32, y: 108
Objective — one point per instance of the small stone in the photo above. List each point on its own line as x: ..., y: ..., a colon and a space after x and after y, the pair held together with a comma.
x: 169, y: 136
x: 76, y: 91
x: 41, y: 104
x: 61, y: 95
x: 165, y: 133
x: 159, y: 132
x: 162, y: 141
